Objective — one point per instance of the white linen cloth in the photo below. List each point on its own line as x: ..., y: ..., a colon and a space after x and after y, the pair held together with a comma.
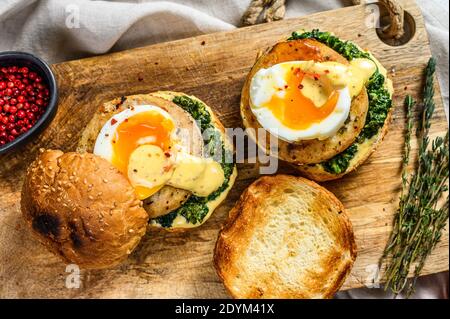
x: 95, y: 27
x: 60, y: 30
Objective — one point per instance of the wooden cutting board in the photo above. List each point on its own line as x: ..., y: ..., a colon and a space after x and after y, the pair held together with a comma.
x: 213, y: 68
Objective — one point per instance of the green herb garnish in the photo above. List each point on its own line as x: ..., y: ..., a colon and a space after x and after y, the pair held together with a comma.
x: 195, y: 208
x: 419, y: 220
x: 340, y: 162
x: 196, y: 109
x: 380, y: 101
x: 167, y: 220
x: 347, y: 49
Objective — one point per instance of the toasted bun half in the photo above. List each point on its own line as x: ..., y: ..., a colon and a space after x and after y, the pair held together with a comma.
x: 82, y: 209
x: 286, y: 237
x: 311, y: 151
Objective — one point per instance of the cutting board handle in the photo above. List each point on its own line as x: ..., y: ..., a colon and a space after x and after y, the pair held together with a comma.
x: 272, y: 10
x: 395, y: 29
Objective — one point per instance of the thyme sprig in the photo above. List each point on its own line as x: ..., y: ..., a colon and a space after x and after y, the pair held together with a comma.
x: 419, y: 220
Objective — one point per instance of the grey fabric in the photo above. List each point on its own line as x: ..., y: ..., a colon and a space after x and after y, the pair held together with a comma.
x: 60, y: 30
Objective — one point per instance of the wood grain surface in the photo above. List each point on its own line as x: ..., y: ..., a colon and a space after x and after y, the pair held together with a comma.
x: 213, y: 68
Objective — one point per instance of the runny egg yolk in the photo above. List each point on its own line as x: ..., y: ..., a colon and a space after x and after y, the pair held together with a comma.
x: 149, y: 127
x: 294, y: 109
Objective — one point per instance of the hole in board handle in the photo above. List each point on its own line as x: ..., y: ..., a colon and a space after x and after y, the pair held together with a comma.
x: 409, y: 26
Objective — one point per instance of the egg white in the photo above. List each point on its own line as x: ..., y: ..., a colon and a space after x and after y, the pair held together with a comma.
x: 267, y: 82
x: 104, y: 145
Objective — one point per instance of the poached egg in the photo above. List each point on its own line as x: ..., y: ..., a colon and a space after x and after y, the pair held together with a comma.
x: 304, y: 100
x: 141, y: 142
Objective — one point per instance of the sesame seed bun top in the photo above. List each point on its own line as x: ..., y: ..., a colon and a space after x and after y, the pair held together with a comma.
x: 82, y: 208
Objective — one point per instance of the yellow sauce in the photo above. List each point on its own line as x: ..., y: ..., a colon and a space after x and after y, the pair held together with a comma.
x: 201, y: 176
x: 361, y: 70
x: 336, y: 76
x: 181, y: 222
x: 150, y: 168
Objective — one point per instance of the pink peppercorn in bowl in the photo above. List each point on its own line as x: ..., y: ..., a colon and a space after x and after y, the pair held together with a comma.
x: 28, y: 98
